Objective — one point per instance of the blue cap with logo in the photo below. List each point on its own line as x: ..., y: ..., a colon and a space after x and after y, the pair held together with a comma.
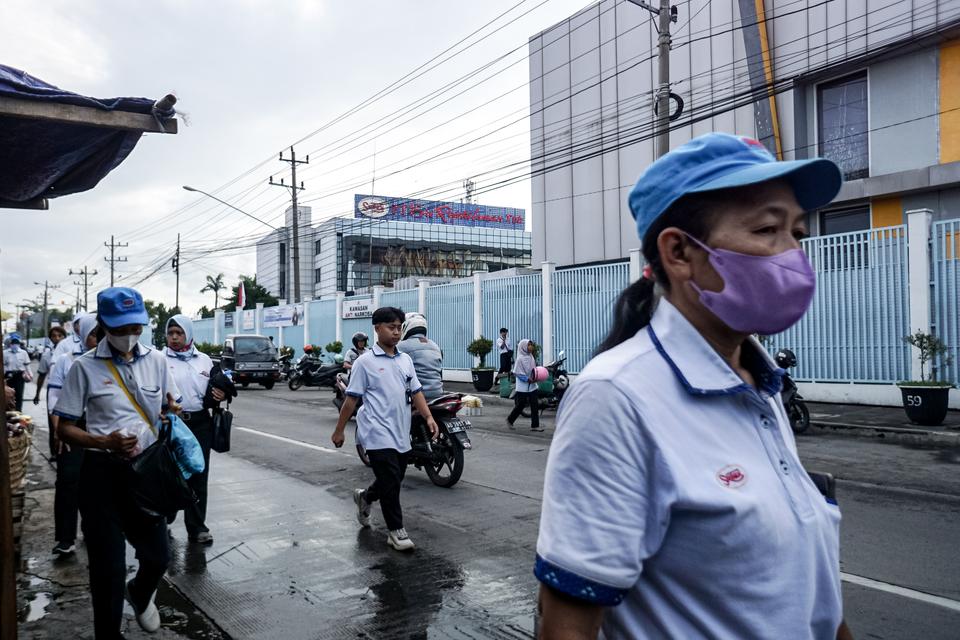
x: 722, y: 161
x: 15, y: 337
x: 119, y: 306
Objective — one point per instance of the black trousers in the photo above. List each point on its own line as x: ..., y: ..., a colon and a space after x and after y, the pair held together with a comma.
x: 195, y: 516
x: 15, y: 381
x: 67, y: 494
x: 506, y: 362
x: 521, y: 400
x: 389, y: 467
x: 111, y: 518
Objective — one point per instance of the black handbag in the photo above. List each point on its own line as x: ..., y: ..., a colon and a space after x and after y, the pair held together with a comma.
x: 158, y: 486
x: 222, y: 421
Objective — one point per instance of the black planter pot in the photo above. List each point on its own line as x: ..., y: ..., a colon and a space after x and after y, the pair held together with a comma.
x: 483, y: 379
x: 925, y: 405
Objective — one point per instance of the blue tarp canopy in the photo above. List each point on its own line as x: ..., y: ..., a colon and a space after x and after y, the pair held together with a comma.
x: 54, y: 142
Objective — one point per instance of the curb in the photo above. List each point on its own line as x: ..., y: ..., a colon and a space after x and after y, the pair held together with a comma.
x: 898, y: 435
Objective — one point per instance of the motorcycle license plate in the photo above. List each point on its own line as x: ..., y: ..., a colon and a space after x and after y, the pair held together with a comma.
x: 456, y: 426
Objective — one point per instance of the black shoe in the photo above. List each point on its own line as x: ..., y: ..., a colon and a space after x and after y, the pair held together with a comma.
x: 64, y: 549
x: 204, y: 537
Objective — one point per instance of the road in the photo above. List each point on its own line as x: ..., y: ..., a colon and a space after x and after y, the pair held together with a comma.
x: 290, y: 561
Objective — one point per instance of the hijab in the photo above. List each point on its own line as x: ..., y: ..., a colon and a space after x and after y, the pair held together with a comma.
x: 525, y: 361
x: 188, y: 351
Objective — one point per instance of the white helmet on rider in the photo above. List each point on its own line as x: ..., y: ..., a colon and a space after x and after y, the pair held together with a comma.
x: 413, y: 322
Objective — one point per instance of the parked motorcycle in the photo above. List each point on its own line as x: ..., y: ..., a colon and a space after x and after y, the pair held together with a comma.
x: 561, y: 382
x: 313, y: 372
x: 286, y: 365
x: 797, y: 411
x: 441, y: 459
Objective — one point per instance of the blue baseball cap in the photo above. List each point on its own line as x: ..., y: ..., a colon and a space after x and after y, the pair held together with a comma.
x: 119, y: 306
x: 15, y: 337
x: 721, y: 161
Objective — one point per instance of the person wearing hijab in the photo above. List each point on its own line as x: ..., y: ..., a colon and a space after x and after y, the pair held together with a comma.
x: 527, y: 390
x: 69, y: 459
x: 191, y: 370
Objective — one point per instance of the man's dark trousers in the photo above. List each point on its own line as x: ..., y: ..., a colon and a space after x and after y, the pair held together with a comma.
x: 389, y: 467
x: 195, y: 516
x: 15, y: 380
x: 67, y: 494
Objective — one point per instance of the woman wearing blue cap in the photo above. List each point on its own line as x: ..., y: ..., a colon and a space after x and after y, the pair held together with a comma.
x: 681, y: 509
x: 16, y: 368
x: 122, y: 386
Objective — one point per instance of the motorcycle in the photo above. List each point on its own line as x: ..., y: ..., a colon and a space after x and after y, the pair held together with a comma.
x: 797, y: 411
x: 561, y: 382
x: 313, y: 372
x: 442, y: 458
x: 340, y: 393
x: 286, y: 365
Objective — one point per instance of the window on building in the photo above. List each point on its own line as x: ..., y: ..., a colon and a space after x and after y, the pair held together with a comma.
x: 844, y: 220
x: 842, y: 125
x: 316, y: 276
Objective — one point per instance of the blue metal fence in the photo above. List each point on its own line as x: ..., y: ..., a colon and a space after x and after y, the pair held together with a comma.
x: 323, y: 322
x: 854, y: 329
x: 406, y: 299
x: 583, y: 304
x: 450, y: 314
x: 945, y: 300
x: 515, y: 303
x: 203, y: 330
x: 293, y: 337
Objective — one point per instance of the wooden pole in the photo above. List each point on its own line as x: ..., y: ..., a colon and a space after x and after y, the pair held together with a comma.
x: 8, y: 579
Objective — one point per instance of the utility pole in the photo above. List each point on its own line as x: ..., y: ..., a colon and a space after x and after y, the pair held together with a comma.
x: 294, y: 187
x: 112, y: 260
x: 667, y: 14
x: 176, y: 268
x: 86, y: 273
x: 46, y: 289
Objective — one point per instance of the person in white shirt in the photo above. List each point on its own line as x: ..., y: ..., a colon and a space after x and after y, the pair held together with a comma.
x: 16, y: 368
x: 191, y: 371
x: 55, y: 335
x: 505, y: 349
x: 387, y: 381
x: 675, y: 504
x: 123, y: 387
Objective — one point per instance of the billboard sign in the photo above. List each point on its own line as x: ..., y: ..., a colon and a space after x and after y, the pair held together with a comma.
x: 433, y: 212
x: 288, y: 315
x: 249, y: 320
x: 228, y: 320
x: 358, y: 308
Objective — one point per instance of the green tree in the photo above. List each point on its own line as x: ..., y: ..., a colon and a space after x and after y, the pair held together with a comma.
x: 216, y: 285
x: 204, y: 312
x: 254, y: 292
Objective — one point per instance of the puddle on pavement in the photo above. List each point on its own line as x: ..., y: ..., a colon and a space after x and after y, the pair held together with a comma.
x: 180, y: 615
x: 36, y: 608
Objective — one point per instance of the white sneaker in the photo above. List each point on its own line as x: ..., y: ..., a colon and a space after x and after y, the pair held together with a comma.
x: 399, y: 540
x: 149, y: 618
x: 363, y: 508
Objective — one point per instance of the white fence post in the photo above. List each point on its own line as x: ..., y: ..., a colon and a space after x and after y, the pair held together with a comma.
x: 918, y: 265
x: 306, y: 322
x: 546, y: 352
x: 339, y: 321
x: 217, y: 323
x: 280, y: 337
x: 422, y: 296
x: 377, y: 296
x: 258, y: 318
x: 636, y: 265
x: 477, y: 309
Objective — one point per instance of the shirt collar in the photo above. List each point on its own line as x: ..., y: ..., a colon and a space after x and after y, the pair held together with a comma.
x: 697, y: 365
x: 104, y: 352
x: 181, y: 355
x: 378, y: 351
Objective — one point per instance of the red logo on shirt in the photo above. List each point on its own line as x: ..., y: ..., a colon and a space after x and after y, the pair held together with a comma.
x: 732, y: 476
x: 107, y: 381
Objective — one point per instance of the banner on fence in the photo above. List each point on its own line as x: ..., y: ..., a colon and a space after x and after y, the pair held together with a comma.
x: 249, y: 319
x: 357, y: 309
x: 228, y: 320
x: 288, y: 315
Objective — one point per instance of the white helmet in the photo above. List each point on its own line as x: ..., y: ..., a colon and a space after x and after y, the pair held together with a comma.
x: 413, y: 321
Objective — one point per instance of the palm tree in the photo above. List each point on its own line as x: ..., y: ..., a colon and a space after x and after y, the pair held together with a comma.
x: 215, y: 285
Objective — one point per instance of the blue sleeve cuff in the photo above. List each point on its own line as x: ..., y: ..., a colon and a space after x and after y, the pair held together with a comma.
x: 419, y: 389
x: 573, y: 585
x: 354, y: 394
x: 523, y: 378
x: 66, y: 415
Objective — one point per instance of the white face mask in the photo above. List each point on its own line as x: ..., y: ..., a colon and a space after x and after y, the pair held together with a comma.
x: 123, y: 344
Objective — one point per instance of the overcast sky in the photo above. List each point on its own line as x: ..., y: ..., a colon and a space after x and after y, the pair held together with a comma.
x: 252, y: 77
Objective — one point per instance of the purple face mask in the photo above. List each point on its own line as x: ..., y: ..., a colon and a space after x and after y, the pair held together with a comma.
x: 761, y: 294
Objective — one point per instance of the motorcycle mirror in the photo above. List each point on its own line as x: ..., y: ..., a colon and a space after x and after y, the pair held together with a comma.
x: 561, y: 354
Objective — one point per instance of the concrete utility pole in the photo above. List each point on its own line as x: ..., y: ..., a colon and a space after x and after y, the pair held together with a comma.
x: 176, y: 268
x: 112, y: 260
x: 294, y: 187
x: 667, y: 14
x: 46, y: 289
x: 86, y: 273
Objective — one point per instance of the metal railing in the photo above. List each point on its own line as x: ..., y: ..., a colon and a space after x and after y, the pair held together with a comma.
x: 450, y: 314
x: 945, y: 298
x: 583, y: 301
x: 516, y: 304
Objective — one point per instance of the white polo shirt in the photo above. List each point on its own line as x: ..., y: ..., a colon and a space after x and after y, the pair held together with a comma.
x: 18, y: 361
x: 91, y: 388
x: 674, y: 495
x: 384, y: 383
x: 191, y: 374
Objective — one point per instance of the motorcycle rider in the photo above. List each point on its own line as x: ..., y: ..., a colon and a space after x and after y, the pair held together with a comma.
x: 359, y: 347
x: 426, y: 354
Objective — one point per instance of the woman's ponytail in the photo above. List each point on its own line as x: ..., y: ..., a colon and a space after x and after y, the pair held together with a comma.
x: 632, y: 312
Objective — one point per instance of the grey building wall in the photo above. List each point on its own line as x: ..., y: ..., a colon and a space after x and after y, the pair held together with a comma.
x: 592, y: 80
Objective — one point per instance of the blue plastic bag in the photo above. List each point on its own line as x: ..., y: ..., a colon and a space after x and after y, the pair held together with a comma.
x: 186, y: 449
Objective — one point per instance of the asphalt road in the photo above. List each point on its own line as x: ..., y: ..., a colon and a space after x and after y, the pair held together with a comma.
x: 286, y: 541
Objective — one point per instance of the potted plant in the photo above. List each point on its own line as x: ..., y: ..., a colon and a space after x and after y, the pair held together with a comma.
x: 334, y: 347
x: 482, y: 375
x: 925, y: 401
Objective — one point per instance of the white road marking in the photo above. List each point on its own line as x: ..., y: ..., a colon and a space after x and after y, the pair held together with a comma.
x: 299, y: 443
x: 939, y: 601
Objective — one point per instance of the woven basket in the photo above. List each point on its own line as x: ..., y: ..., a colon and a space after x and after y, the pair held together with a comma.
x: 19, y: 448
